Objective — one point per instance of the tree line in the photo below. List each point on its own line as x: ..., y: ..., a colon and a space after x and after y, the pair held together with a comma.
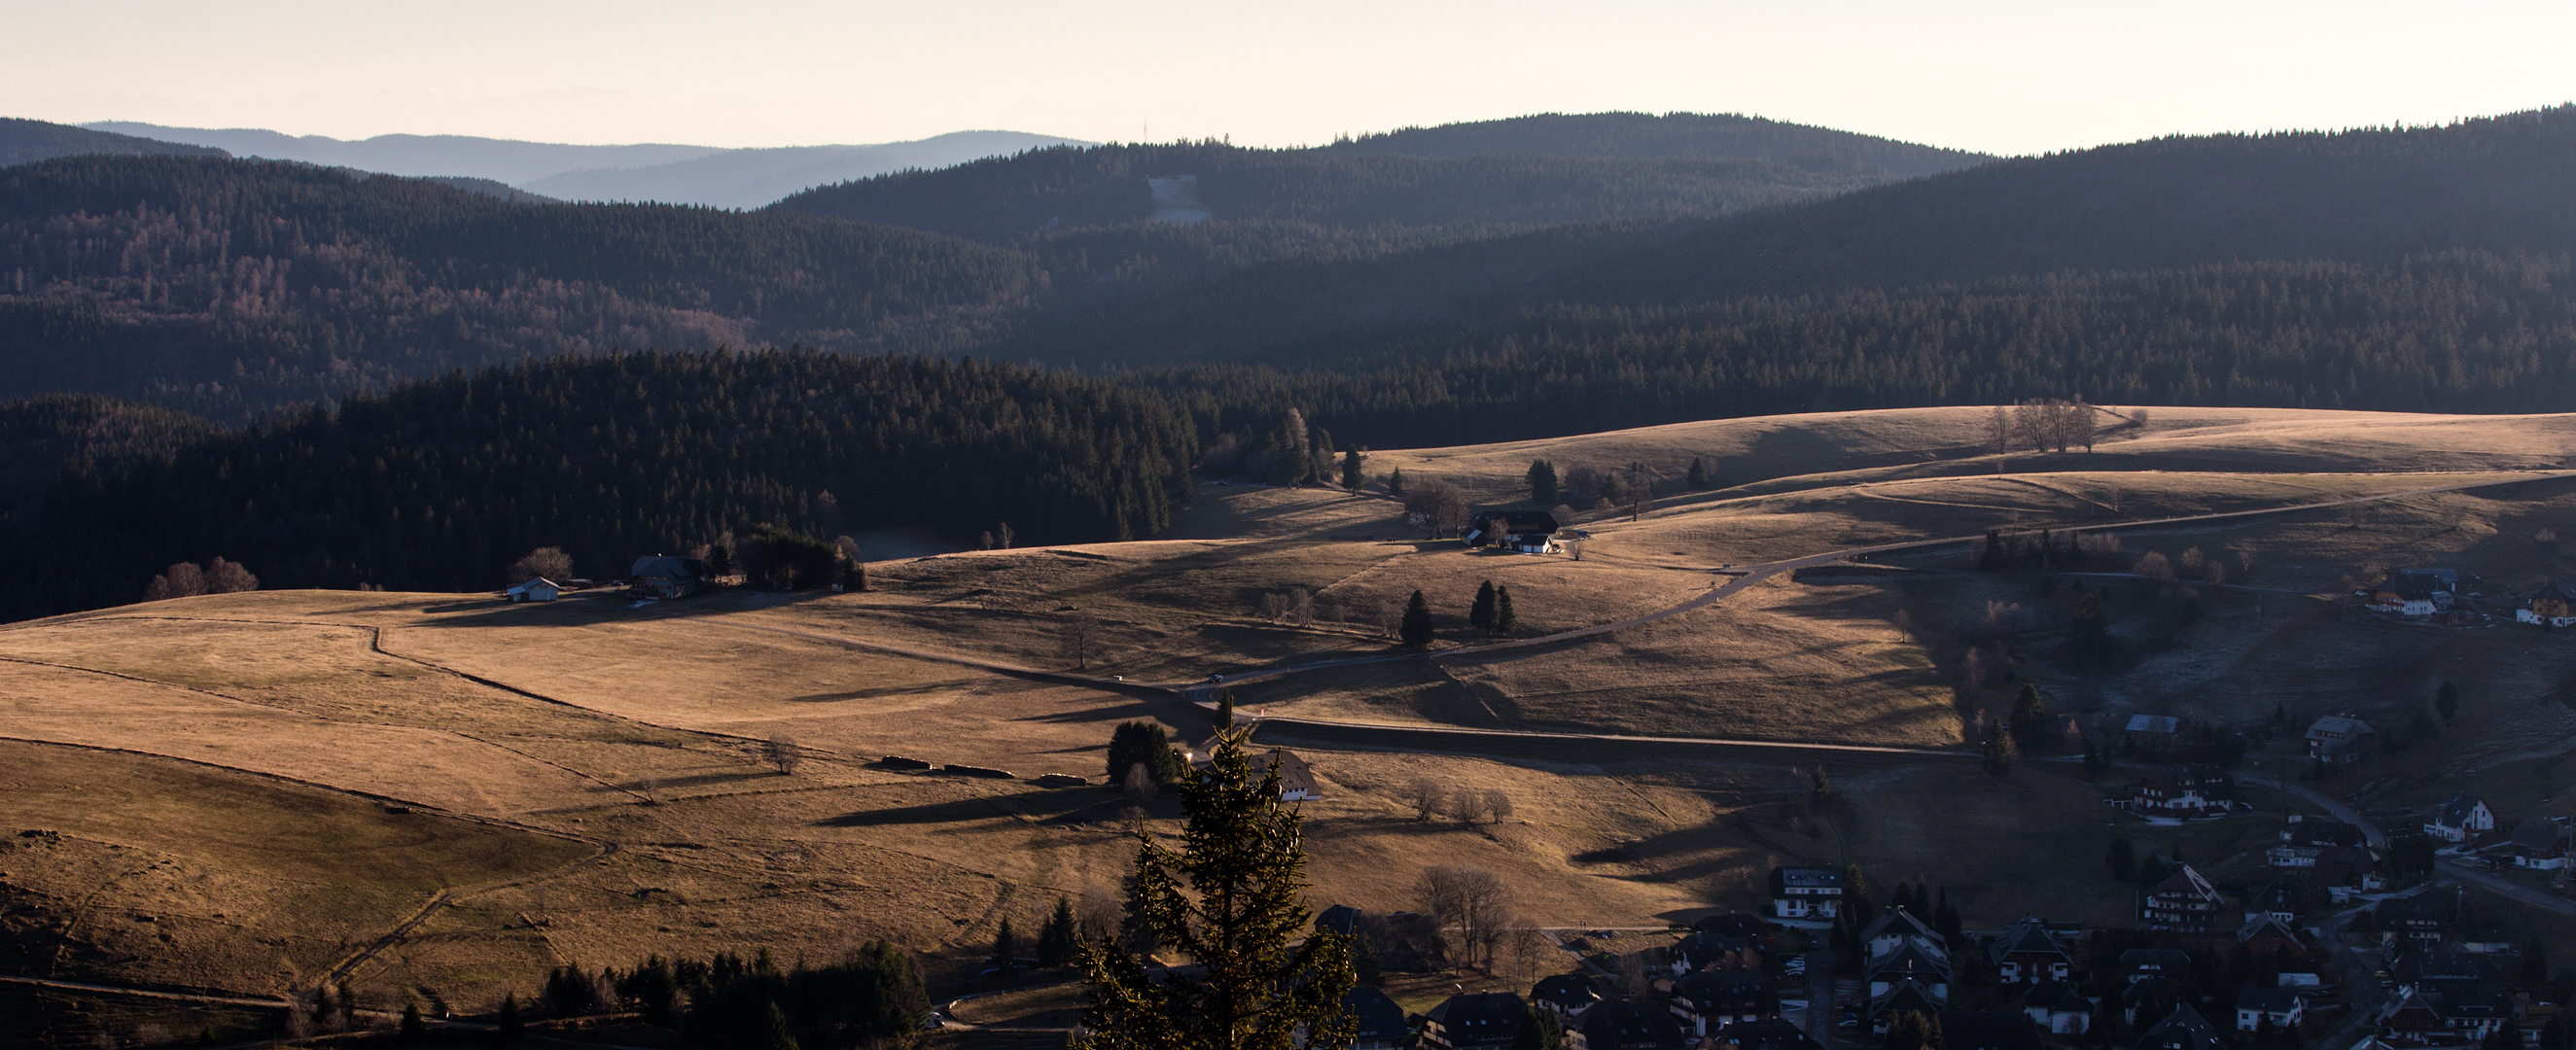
x: 439, y: 484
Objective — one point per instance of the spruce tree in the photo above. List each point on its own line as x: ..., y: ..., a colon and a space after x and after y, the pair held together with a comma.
x: 412, y: 1028
x: 1230, y: 899
x: 1415, y: 632
x: 1006, y: 945
x: 1996, y: 755
x: 2447, y: 700
x: 2030, y: 721
x: 1542, y: 483
x: 511, y: 1027
x: 1698, y: 474
x: 2123, y: 860
x: 1505, y: 620
x: 1351, y: 478
x: 1395, y: 482
x: 1055, y: 939
x: 1481, y: 613
x: 1225, y: 710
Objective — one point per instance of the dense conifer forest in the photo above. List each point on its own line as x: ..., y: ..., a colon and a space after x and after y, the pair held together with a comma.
x: 1700, y: 136
x: 439, y: 484
x: 227, y: 287
x: 1003, y: 199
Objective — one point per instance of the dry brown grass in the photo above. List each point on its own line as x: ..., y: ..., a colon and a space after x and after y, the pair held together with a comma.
x: 639, y: 726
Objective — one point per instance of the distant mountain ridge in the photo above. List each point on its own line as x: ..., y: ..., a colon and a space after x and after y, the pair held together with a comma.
x: 26, y: 141
x: 1670, y: 136
x: 650, y: 172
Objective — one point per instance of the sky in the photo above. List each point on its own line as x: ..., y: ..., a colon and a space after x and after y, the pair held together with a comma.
x: 2007, y: 78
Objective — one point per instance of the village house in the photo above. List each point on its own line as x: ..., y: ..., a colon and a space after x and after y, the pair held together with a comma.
x: 1770, y: 1033
x: 2150, y: 998
x: 2345, y: 872
x: 2284, y: 899
x: 2029, y: 952
x: 2553, y: 606
x: 1474, y: 1021
x: 2340, y: 740
x: 2280, y: 1008
x: 2184, y: 1029
x: 1707, y: 1001
x: 2420, y: 918
x: 2538, y: 843
x: 2152, y: 734
x: 2183, y: 791
x: 1296, y: 779
x: 2269, y: 937
x: 2058, y: 1008
x: 1566, y: 995
x: 1806, y: 893
x: 1526, y: 531
x: 1626, y: 1025
x: 1340, y: 918
x: 2303, y: 830
x: 2183, y: 903
x: 663, y: 576
x: 2460, y: 817
x: 539, y: 589
x: 1906, y: 967
x: 2405, y: 595
x: 1381, y: 1022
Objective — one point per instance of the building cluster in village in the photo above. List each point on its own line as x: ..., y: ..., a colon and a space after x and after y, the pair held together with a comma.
x: 2437, y: 596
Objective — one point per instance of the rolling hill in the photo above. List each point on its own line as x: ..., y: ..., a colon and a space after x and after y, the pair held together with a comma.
x: 663, y: 173
x: 1669, y: 136
x: 227, y: 286
x: 26, y: 141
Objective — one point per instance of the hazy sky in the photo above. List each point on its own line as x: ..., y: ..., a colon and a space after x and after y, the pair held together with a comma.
x: 1998, y: 77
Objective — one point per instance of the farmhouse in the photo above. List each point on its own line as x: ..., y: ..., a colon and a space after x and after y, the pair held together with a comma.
x: 2139, y: 964
x: 2183, y: 791
x: 1806, y: 893
x: 2183, y: 903
x: 1714, y: 999
x: 2538, y: 843
x: 2152, y: 734
x: 1296, y: 779
x: 1381, y: 1021
x: 663, y: 576
x: 1474, y: 1021
x: 2460, y: 817
x: 1627, y: 1025
x: 1565, y: 995
x: 2340, y: 739
x: 1907, y: 967
x: 2554, y: 606
x: 2405, y: 595
x: 539, y: 589
x: 2269, y: 936
x: 1526, y: 531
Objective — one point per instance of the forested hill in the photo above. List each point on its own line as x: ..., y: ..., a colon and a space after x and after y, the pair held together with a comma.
x: 24, y: 141
x: 1671, y: 136
x: 1004, y: 199
x: 2504, y: 184
x: 2460, y: 332
x: 439, y: 484
x: 226, y: 287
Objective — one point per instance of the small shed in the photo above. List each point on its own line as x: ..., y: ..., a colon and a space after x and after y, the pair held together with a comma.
x: 539, y: 589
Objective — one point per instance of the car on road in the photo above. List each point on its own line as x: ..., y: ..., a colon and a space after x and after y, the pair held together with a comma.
x: 1216, y: 678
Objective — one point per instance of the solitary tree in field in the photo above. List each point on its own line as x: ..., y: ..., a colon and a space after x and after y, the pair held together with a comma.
x: 1481, y: 613
x: 2030, y: 720
x: 1352, y: 474
x: 1006, y: 945
x: 1542, y: 483
x: 1416, y: 632
x: 1996, y: 755
x: 1078, y: 636
x: 783, y: 753
x: 1698, y: 474
x: 1505, y: 620
x: 1230, y: 899
x: 2447, y: 701
x: 1395, y: 482
x: 1056, y: 938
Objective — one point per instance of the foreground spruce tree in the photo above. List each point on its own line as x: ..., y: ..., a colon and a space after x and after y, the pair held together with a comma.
x: 1415, y: 631
x: 1230, y: 900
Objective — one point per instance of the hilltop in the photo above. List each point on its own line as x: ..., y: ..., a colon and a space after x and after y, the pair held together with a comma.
x: 26, y: 141
x: 1699, y: 136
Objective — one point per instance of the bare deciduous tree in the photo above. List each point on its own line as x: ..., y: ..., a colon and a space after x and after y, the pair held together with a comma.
x: 1002, y: 532
x: 1435, y: 506
x: 1498, y: 806
x: 1999, y: 430
x: 1140, y: 781
x: 783, y: 752
x: 228, y: 577
x: 2153, y: 566
x: 1426, y: 798
x: 549, y: 562
x: 1468, y: 898
x: 1465, y: 805
x: 1079, y: 638
x: 183, y: 580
